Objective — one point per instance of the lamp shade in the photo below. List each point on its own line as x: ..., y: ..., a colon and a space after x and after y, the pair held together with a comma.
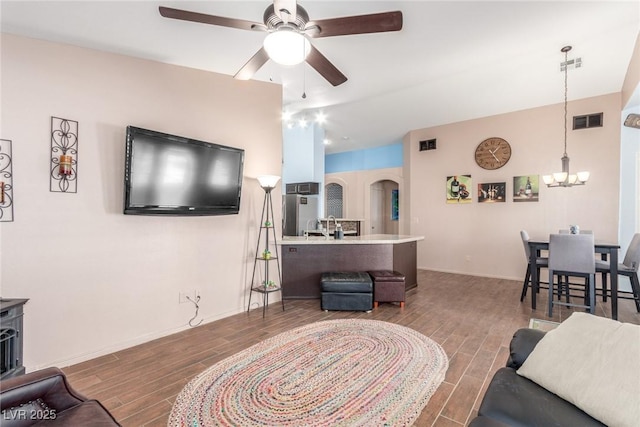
x: 268, y: 182
x: 583, y: 176
x: 287, y: 47
x: 560, y: 176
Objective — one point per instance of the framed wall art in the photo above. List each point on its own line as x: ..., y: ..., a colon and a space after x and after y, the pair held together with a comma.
x: 494, y: 192
x: 525, y: 188
x: 459, y: 189
x: 395, y: 211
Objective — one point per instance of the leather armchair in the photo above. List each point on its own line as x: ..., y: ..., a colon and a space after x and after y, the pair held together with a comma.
x: 45, y: 397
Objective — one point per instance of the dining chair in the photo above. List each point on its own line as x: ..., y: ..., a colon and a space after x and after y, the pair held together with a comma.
x: 565, y: 231
x: 541, y: 262
x: 572, y: 255
x: 628, y: 268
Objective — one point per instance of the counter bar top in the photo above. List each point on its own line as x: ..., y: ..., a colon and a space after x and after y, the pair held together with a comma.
x: 304, y: 260
x: 370, y: 239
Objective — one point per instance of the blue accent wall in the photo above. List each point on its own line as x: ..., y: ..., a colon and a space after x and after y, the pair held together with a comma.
x: 386, y: 156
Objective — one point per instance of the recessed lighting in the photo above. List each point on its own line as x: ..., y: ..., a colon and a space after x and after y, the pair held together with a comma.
x: 302, y: 122
x: 321, y: 118
x: 327, y: 141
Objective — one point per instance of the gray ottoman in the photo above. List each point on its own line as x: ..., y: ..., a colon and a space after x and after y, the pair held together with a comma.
x: 346, y: 291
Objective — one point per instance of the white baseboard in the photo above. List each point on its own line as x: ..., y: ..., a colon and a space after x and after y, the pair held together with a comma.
x: 466, y: 273
x: 62, y: 363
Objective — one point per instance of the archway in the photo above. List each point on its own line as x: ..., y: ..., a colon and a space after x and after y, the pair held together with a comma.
x: 384, y: 207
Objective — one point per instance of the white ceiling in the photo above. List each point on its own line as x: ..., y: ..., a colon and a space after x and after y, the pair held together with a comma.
x: 452, y: 61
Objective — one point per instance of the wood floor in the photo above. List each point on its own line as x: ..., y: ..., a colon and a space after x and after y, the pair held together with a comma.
x: 472, y: 318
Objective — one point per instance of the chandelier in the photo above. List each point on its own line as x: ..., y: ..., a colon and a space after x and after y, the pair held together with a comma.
x: 564, y: 178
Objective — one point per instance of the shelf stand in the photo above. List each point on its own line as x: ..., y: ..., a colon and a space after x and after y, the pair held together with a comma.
x: 264, y: 258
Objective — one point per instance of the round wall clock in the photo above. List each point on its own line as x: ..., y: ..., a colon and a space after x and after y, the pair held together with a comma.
x: 493, y: 153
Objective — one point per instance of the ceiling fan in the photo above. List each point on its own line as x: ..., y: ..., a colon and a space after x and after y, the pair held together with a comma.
x: 289, y: 29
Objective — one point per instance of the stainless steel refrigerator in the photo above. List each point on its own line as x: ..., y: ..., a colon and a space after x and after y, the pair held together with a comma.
x: 297, y: 210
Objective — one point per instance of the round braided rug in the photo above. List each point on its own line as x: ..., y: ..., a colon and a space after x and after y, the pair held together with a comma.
x: 337, y: 372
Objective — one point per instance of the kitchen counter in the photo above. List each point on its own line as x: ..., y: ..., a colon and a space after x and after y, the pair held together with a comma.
x: 305, y: 259
x: 371, y: 239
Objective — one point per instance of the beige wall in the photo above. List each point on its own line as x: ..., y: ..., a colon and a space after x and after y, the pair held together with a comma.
x: 356, y: 192
x: 483, y: 239
x: 99, y: 280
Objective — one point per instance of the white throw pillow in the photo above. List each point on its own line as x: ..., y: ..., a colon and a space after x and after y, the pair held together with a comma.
x: 594, y: 363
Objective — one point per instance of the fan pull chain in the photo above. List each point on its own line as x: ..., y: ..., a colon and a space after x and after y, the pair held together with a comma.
x: 304, y: 77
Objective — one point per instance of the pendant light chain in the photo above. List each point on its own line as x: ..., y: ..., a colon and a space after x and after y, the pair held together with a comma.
x: 565, y: 178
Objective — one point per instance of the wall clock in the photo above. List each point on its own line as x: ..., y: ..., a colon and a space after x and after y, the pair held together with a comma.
x: 493, y: 153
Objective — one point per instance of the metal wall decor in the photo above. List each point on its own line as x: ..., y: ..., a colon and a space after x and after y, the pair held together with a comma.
x: 6, y: 181
x: 64, y: 156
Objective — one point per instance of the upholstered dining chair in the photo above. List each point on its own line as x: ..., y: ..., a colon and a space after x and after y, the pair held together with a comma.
x: 541, y: 262
x: 565, y: 231
x: 572, y: 255
x: 628, y: 268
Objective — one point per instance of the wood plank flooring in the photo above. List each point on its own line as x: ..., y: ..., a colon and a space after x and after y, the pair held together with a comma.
x: 472, y: 318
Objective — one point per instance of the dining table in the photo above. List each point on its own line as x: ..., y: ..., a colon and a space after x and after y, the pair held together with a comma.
x: 606, y: 250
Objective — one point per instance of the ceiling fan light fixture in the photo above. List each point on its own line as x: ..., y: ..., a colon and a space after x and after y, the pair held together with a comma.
x: 287, y: 46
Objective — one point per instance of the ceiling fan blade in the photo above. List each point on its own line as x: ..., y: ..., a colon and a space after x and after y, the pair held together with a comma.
x: 326, y: 69
x: 253, y: 65
x: 361, y: 24
x: 186, y: 15
x: 285, y: 9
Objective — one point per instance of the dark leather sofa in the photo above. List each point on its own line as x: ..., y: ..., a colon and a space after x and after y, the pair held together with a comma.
x: 512, y: 400
x: 45, y: 397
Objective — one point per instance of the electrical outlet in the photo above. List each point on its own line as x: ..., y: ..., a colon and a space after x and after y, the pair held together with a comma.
x: 467, y: 258
x: 182, y: 297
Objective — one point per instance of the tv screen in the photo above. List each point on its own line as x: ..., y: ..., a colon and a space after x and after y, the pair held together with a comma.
x: 172, y: 175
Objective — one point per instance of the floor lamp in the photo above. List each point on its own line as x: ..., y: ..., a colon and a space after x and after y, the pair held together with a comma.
x: 268, y: 183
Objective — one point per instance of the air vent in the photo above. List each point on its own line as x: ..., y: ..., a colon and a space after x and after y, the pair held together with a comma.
x: 428, y: 144
x: 588, y: 121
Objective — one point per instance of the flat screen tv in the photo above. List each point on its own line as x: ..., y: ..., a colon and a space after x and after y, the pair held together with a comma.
x: 172, y: 175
